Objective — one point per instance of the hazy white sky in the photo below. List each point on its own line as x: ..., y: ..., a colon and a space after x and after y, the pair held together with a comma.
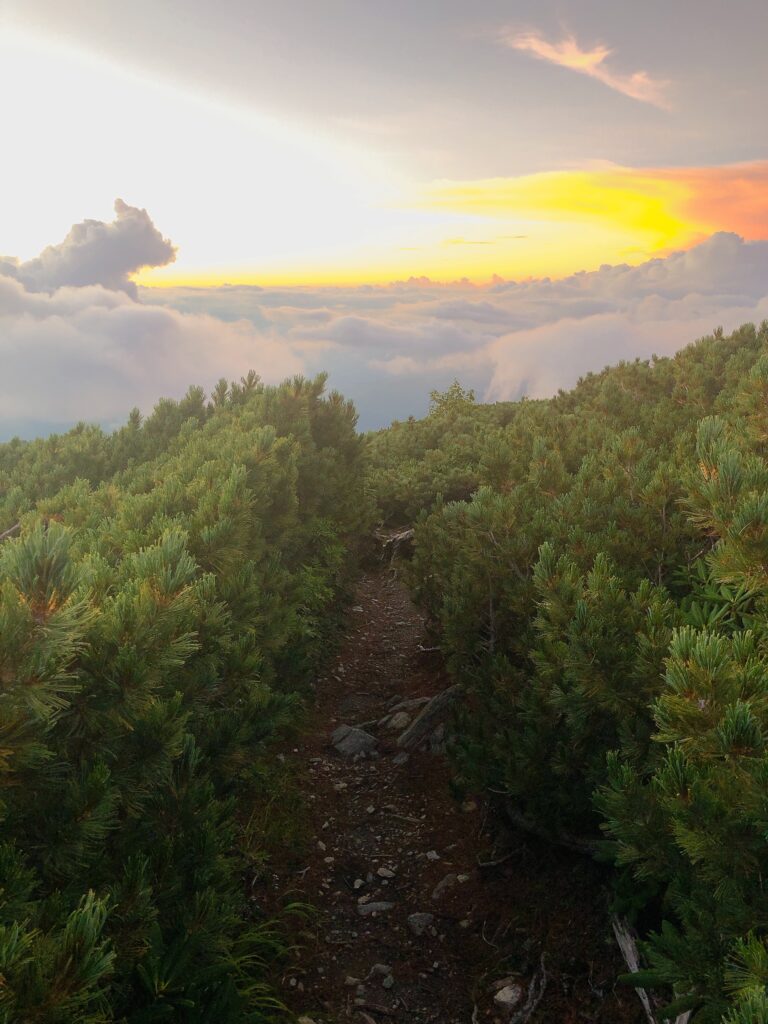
x: 431, y: 84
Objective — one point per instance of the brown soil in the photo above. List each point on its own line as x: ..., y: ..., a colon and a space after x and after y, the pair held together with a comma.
x: 541, y: 905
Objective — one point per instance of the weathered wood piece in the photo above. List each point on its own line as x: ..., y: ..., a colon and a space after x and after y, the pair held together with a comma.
x: 627, y: 941
x: 422, y: 726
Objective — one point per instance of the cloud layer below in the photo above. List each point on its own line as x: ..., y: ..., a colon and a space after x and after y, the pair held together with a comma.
x: 78, y: 342
x: 387, y: 347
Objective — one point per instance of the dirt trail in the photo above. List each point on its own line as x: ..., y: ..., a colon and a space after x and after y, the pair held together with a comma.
x: 389, y: 833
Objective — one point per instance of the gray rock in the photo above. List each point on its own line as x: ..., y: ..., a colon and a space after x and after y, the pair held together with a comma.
x: 349, y: 741
x: 388, y: 981
x: 508, y: 997
x: 385, y: 873
x: 379, y: 970
x: 400, y: 758
x: 418, y: 923
x: 365, y: 909
x: 399, y: 721
x: 447, y: 882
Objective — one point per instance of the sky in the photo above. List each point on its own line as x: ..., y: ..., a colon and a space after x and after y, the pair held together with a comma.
x: 400, y: 193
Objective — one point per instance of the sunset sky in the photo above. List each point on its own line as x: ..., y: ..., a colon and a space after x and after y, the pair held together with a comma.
x: 353, y: 141
x: 298, y: 145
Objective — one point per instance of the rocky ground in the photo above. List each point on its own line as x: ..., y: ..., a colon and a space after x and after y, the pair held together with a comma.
x: 425, y: 911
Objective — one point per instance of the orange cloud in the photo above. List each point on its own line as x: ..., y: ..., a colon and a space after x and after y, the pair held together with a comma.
x: 568, y: 54
x: 733, y: 197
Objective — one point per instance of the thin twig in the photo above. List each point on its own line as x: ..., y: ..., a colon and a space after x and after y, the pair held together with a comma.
x: 383, y: 1010
x: 494, y: 863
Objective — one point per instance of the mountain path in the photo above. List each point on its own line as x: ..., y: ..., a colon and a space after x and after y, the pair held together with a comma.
x: 380, y: 831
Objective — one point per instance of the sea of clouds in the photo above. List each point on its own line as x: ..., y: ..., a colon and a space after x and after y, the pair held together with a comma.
x: 78, y: 340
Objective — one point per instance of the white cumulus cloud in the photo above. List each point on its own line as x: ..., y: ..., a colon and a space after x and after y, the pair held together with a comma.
x: 75, y: 342
x: 95, y: 252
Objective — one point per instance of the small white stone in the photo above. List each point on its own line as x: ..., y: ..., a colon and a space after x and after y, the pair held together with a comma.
x: 508, y: 997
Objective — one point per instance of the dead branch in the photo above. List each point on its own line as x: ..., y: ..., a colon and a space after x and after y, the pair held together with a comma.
x: 421, y: 726
x: 578, y: 844
x: 627, y: 941
x: 535, y: 995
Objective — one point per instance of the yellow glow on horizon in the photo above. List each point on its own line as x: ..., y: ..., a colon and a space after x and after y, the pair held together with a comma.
x: 545, y: 249
x: 646, y: 208
x: 548, y: 224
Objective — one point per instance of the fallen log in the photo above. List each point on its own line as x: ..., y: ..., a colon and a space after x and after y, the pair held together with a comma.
x: 422, y: 726
x: 393, y: 542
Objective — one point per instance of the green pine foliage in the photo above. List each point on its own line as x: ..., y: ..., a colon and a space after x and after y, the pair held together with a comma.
x: 596, y: 569
x: 171, y: 588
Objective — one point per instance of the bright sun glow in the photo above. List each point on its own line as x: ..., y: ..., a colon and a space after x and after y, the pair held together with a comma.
x: 248, y: 198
